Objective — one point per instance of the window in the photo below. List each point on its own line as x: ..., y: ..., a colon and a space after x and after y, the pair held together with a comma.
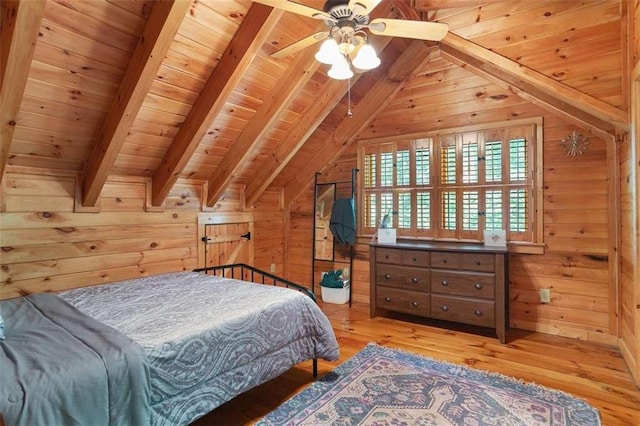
x: 454, y: 185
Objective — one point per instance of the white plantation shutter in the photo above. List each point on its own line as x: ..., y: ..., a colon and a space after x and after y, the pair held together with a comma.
x: 453, y: 185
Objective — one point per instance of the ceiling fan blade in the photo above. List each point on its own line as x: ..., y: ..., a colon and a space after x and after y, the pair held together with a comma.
x: 300, y: 9
x: 300, y: 44
x: 409, y: 29
x: 363, y: 7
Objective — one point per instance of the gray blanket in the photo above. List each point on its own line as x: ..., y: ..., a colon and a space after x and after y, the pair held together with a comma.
x: 60, y: 367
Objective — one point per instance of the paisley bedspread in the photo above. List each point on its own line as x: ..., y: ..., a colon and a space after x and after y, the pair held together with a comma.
x: 208, y: 339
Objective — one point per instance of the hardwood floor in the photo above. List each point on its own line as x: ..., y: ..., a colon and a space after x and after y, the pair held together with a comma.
x: 595, y: 373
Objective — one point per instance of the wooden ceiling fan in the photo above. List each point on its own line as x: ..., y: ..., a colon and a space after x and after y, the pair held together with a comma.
x: 347, y: 18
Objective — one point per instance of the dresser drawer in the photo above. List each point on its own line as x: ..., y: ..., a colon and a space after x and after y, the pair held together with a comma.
x: 415, y: 258
x: 445, y: 259
x: 410, y: 302
x: 387, y: 255
x: 402, y: 277
x: 463, y: 284
x: 468, y: 311
x: 457, y: 282
x: 481, y: 262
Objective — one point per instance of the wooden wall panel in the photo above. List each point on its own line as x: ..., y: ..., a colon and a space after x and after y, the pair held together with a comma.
x: 185, y: 195
x: 630, y: 209
x: 231, y: 201
x: 575, y: 265
x: 48, y: 247
x: 269, y: 233
x: 629, y: 256
x: 300, y: 236
x: 269, y: 244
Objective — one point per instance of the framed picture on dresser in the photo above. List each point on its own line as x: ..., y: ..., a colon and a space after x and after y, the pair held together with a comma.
x: 495, y: 237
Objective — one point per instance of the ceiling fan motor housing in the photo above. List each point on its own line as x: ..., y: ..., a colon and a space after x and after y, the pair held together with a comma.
x: 339, y: 10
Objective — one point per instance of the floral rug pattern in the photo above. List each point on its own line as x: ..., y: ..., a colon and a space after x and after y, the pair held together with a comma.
x: 388, y: 387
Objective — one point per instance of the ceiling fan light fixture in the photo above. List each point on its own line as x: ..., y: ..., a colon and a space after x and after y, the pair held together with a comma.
x: 340, y: 70
x: 329, y: 52
x: 366, y: 59
x: 346, y: 47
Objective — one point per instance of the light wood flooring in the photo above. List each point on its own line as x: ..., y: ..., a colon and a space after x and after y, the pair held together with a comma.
x: 595, y: 373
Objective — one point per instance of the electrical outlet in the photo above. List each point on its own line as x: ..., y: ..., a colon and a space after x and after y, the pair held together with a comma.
x: 273, y: 267
x: 545, y: 295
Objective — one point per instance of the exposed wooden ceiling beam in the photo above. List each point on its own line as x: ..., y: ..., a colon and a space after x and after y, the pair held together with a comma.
x: 239, y: 54
x: 154, y: 42
x: 575, y: 106
x: 288, y: 87
x: 20, y: 22
x: 525, y: 93
x: 550, y: 94
x: 331, y: 94
x: 412, y: 60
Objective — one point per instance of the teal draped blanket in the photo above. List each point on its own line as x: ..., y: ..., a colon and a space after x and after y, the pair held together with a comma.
x: 59, y: 366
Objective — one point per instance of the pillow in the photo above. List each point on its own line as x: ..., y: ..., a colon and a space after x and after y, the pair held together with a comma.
x: 2, y: 334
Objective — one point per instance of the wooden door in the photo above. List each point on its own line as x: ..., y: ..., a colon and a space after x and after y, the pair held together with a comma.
x: 228, y: 243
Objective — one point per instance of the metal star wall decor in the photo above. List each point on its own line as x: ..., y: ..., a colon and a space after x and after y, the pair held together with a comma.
x: 574, y: 144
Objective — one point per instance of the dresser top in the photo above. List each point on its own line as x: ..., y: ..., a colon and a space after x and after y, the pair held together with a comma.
x: 444, y: 246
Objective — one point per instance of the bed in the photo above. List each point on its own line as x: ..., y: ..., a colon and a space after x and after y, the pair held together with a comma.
x: 159, y: 350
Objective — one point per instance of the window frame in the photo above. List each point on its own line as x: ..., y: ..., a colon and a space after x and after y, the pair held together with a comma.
x: 411, y: 141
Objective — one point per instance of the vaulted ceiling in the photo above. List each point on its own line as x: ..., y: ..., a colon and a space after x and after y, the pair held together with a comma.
x: 181, y: 89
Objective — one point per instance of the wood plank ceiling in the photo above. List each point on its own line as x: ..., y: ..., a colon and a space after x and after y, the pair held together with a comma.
x: 187, y: 89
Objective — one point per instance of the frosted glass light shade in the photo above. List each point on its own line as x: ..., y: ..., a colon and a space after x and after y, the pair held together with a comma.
x: 340, y: 70
x: 329, y: 52
x: 366, y: 59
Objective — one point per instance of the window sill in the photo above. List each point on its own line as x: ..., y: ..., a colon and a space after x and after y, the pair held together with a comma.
x: 516, y: 247
x: 526, y: 248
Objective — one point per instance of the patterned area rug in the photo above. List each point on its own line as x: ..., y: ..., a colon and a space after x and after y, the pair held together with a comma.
x: 383, y: 387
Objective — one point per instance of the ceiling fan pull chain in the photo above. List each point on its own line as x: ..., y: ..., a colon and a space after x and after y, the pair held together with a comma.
x: 349, y: 113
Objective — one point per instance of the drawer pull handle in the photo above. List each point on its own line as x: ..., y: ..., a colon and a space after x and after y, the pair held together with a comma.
x: 477, y: 261
x: 477, y: 313
x: 478, y: 286
x: 414, y: 304
x: 387, y: 299
x: 444, y: 283
x: 445, y: 308
x: 415, y: 260
x: 444, y: 260
x: 387, y: 276
x: 414, y: 280
x: 386, y: 256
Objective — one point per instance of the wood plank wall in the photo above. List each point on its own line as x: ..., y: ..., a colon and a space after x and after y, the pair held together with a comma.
x: 629, y: 292
x: 301, y: 219
x: 630, y: 213
x: 575, y: 265
x: 47, y: 246
x: 269, y: 229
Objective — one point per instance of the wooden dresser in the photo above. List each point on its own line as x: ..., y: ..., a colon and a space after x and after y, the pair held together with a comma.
x: 464, y: 283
